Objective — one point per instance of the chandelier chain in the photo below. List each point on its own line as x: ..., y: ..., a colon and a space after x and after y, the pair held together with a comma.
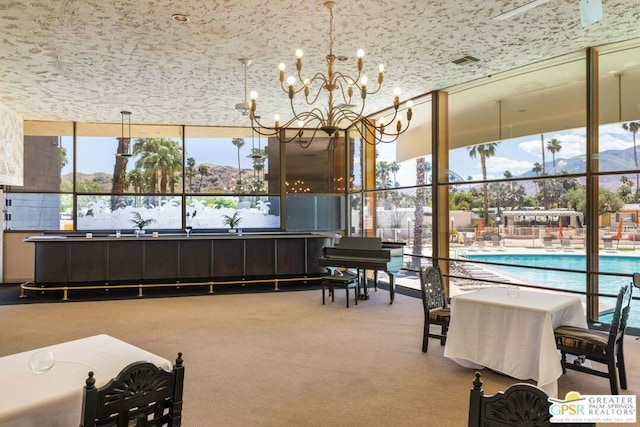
x: 331, y: 31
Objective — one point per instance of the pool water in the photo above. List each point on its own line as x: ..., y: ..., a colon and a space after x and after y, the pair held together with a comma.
x: 570, y: 281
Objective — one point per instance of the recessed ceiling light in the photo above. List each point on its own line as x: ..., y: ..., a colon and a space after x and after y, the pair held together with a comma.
x: 179, y: 17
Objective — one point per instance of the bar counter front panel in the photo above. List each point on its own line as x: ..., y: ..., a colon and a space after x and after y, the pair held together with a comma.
x: 170, y: 258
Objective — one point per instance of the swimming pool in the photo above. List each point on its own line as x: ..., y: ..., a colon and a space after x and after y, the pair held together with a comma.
x: 569, y: 281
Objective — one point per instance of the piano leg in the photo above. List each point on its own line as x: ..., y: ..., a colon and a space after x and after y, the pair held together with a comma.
x: 392, y: 287
x: 363, y: 288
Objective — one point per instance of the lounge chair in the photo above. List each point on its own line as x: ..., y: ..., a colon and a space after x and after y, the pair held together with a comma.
x: 547, y: 241
x: 565, y: 243
x: 496, y: 243
x: 607, y: 242
x: 481, y: 245
x: 468, y: 244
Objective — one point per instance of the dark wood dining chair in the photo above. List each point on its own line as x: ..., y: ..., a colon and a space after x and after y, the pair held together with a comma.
x: 521, y: 405
x: 434, y: 302
x: 599, y: 346
x: 142, y: 395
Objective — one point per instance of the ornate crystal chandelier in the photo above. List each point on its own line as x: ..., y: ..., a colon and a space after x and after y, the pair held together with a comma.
x: 332, y: 117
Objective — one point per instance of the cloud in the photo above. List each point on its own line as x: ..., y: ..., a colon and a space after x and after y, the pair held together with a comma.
x: 498, y: 165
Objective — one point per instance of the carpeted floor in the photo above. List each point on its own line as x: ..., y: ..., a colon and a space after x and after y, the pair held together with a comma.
x: 284, y: 359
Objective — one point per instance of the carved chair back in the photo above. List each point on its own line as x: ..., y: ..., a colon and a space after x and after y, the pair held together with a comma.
x: 432, y: 288
x: 142, y: 395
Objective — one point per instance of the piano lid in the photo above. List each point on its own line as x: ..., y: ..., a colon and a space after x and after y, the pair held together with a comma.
x: 353, y: 242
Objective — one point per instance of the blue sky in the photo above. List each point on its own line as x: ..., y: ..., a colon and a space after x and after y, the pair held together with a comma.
x: 97, y: 153
x: 519, y: 154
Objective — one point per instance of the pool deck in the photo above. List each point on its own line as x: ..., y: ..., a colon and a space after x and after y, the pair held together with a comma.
x: 477, y: 272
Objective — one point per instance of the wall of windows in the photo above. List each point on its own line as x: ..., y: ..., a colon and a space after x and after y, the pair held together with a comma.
x: 176, y: 177
x: 532, y: 196
x: 523, y: 163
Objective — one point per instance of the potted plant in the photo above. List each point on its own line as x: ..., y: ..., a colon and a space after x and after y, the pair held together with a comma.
x: 232, y: 221
x: 140, y: 222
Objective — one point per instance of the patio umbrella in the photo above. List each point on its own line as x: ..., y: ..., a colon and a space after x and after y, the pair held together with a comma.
x: 637, y: 219
x: 479, y: 230
x: 560, y: 228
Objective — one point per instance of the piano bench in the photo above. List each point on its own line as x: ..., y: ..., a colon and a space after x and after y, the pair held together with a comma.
x: 340, y: 282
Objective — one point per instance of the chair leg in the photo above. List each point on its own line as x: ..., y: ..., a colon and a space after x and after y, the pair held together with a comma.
x: 622, y: 372
x: 613, y: 377
x: 563, y: 362
x: 323, y: 288
x: 425, y: 336
x: 355, y: 294
x: 346, y: 290
x: 443, y: 340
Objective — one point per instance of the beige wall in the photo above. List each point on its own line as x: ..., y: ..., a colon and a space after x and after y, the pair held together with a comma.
x: 19, y: 257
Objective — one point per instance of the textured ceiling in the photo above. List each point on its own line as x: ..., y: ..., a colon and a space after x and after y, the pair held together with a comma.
x: 86, y: 60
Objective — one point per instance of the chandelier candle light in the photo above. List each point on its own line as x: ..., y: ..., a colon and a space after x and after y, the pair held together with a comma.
x: 334, y: 117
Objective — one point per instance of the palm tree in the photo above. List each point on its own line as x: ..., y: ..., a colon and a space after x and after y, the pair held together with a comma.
x: 161, y: 160
x: 258, y: 156
x: 545, y: 202
x: 118, y: 183
x: 239, y: 143
x: 554, y: 146
x: 544, y: 163
x: 634, y: 127
x: 537, y: 168
x: 484, y: 151
x: 136, y: 180
x: 190, y: 171
x: 382, y: 173
x: 394, y: 168
x: 422, y: 168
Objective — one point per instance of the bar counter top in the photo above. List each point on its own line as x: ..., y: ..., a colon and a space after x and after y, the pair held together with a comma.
x: 78, y: 260
x: 80, y: 237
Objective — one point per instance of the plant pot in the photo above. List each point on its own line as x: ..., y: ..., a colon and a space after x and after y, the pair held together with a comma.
x: 232, y: 231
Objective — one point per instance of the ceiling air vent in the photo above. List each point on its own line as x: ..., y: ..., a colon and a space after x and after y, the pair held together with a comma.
x: 465, y: 60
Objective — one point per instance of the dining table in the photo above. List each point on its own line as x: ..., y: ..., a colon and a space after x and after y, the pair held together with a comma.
x: 510, y: 330
x: 44, y: 386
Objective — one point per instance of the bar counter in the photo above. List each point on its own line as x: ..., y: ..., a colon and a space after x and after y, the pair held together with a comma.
x: 77, y: 260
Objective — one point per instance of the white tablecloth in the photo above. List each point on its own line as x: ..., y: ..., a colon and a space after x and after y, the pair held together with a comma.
x: 512, y: 335
x: 54, y: 398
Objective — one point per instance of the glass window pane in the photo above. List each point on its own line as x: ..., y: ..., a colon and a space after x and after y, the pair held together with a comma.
x: 308, y: 212
x: 555, y: 153
x: 393, y: 174
x: 45, y: 158
x: 95, y: 162
x: 94, y: 212
x: 229, y: 165
x: 318, y: 167
x: 37, y: 211
x: 155, y: 165
x: 209, y: 212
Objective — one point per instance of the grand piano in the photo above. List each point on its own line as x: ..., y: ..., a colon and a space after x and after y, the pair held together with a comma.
x: 365, y: 253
